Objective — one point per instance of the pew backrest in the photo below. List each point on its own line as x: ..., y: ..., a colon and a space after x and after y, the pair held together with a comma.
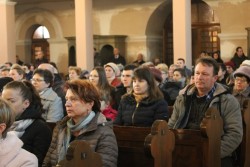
x: 189, y: 148
x: 160, y: 144
x: 130, y: 141
x: 79, y: 153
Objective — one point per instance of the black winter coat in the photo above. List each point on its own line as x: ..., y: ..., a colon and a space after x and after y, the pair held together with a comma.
x: 141, y: 114
x: 37, y: 136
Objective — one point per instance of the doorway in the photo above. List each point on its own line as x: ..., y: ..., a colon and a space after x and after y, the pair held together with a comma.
x: 40, y: 43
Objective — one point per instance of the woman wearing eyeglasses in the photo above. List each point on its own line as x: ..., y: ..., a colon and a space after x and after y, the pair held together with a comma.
x: 84, y: 121
x: 241, y: 89
x: 29, y: 125
x: 42, y: 80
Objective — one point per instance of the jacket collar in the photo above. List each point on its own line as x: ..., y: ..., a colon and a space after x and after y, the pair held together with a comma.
x: 219, y: 89
x: 99, y: 119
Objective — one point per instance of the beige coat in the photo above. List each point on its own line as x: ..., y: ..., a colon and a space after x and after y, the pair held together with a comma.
x: 12, y: 154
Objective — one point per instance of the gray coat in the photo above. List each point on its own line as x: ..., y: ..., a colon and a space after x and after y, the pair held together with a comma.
x: 99, y: 134
x: 230, y: 113
x: 12, y: 154
x: 52, y: 105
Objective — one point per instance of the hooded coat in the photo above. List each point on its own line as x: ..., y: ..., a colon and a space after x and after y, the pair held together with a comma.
x: 12, y: 154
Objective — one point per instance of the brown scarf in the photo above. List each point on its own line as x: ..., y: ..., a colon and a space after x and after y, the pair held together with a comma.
x: 138, y: 98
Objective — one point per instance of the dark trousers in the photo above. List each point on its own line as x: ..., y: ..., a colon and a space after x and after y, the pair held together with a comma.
x: 227, y: 162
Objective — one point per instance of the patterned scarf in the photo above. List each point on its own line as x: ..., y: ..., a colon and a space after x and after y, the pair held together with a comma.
x: 19, y: 127
x: 71, y: 127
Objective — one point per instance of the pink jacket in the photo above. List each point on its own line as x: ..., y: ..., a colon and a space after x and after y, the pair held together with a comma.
x: 12, y: 154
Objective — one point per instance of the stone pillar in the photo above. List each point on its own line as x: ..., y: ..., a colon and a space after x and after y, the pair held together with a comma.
x: 23, y: 48
x: 7, y: 31
x: 59, y: 53
x: 84, y: 34
x: 248, y: 41
x: 182, y: 30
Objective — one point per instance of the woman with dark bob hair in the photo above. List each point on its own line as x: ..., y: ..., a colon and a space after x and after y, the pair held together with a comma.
x: 42, y: 80
x: 84, y: 121
x: 144, y: 104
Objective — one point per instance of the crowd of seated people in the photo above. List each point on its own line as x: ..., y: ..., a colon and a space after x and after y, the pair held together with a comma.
x: 134, y: 95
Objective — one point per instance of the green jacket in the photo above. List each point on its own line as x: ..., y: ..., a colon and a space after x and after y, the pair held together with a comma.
x: 230, y: 112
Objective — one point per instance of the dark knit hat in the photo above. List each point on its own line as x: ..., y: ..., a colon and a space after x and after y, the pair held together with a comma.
x: 157, y: 74
x: 243, y: 70
x: 4, y: 81
x: 230, y: 63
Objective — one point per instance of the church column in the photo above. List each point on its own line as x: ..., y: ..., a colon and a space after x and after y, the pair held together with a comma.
x: 7, y: 31
x: 84, y: 34
x: 59, y: 53
x: 248, y: 41
x: 182, y: 30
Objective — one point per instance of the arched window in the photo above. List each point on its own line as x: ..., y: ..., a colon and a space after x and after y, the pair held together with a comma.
x: 41, y: 33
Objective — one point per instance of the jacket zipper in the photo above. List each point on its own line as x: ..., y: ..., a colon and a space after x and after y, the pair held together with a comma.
x: 133, y: 116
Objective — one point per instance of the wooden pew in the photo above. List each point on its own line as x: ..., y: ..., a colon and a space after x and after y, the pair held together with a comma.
x: 160, y: 144
x: 189, y: 148
x: 79, y: 153
x: 245, y: 145
x: 130, y: 142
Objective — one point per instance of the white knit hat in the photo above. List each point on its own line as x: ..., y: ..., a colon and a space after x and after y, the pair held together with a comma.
x: 246, y: 63
x: 113, y: 66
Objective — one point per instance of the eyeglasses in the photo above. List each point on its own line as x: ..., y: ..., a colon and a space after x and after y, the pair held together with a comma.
x: 36, y: 80
x: 240, y: 80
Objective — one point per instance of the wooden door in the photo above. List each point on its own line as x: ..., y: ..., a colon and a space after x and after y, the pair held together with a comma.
x: 205, y: 38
